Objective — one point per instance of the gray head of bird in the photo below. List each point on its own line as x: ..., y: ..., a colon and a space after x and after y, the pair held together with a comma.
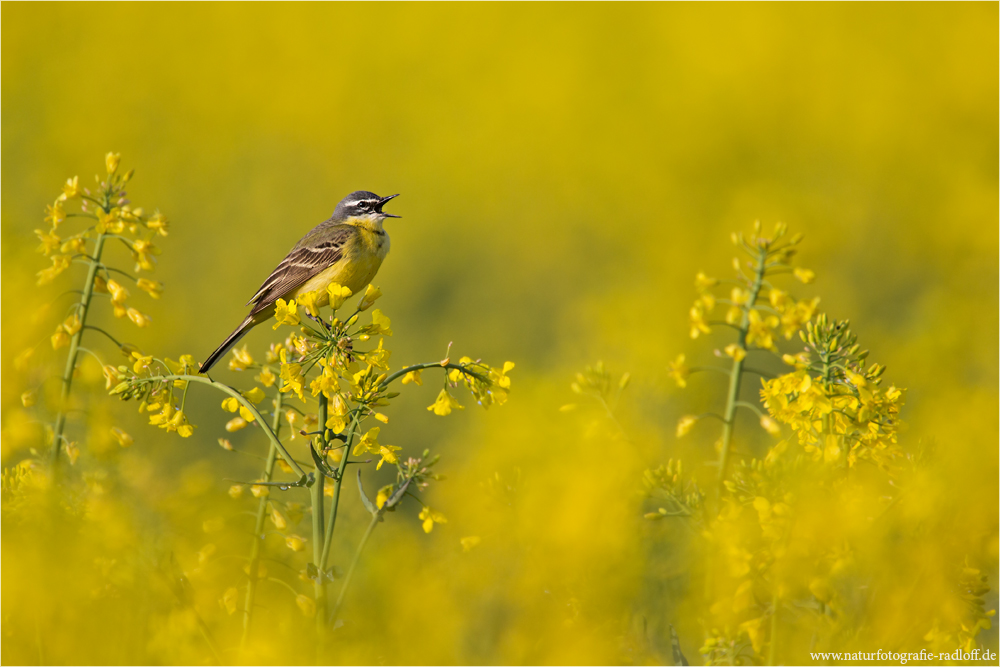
x: 363, y: 204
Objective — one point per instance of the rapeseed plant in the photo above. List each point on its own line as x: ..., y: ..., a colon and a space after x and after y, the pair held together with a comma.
x: 782, y: 533
x: 314, y: 392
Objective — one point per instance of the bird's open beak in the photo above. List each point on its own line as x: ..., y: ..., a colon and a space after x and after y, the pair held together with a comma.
x: 382, y: 203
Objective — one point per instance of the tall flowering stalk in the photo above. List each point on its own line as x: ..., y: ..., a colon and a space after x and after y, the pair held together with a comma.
x: 112, y: 218
x: 766, y: 575
x: 326, y: 390
x: 759, y: 313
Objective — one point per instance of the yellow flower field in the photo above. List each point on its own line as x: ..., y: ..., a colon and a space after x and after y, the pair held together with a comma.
x: 685, y: 349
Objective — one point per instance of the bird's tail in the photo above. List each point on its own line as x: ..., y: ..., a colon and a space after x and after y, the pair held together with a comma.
x: 228, y: 344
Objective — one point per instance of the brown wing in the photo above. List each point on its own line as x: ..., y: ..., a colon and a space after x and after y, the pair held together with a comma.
x: 317, y: 250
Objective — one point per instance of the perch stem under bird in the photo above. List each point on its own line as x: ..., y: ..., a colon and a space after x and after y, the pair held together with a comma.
x: 346, y: 249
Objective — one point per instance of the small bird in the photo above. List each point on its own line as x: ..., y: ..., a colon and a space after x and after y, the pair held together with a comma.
x: 347, y: 249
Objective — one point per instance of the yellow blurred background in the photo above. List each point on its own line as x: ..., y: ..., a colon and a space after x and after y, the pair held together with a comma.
x: 564, y: 172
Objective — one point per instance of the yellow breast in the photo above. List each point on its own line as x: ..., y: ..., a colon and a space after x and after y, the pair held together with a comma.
x: 360, y: 261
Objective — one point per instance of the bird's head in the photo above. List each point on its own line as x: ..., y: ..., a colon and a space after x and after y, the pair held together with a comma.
x: 363, y: 204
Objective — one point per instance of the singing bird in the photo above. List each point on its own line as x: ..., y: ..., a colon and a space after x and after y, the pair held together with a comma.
x: 347, y: 249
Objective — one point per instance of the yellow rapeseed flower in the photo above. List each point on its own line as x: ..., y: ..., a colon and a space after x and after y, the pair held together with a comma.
x: 735, y: 351
x: 255, y: 395
x: 139, y: 319
x: 266, y: 377
x: 698, y: 323
x: 152, y: 287
x: 679, y: 371
x: 111, y: 161
x: 685, y: 424
x: 702, y: 281
x: 236, y: 491
x: 55, y: 214
x: 370, y: 296
x: 236, y: 424
x: 229, y: 600
x: 241, y: 359
x: 444, y: 404
x: 308, y: 301
x: 29, y: 398
x: 306, y: 604
x: 59, y: 264
x: 368, y: 443
x: 382, y: 322
x: 338, y: 294
x: 71, y: 189
x: 285, y: 313
x: 50, y: 242
x: 123, y: 438
x: 469, y: 543
x: 295, y: 542
x: 387, y: 452
x: 414, y: 377
x: 430, y: 517
x: 805, y: 276
x: 60, y: 338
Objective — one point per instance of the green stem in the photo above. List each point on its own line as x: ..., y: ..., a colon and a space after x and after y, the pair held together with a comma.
x: 350, y: 571
x: 258, y: 531
x: 245, y: 403
x: 433, y: 364
x: 74, y: 346
x: 337, y: 483
x: 317, y: 521
x: 736, y: 376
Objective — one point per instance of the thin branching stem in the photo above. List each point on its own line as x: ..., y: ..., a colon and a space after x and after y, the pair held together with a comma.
x: 258, y: 530
x: 736, y: 375
x: 74, y: 349
x: 303, y: 478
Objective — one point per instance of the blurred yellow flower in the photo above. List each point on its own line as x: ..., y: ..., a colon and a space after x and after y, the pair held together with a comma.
x: 28, y: 398
x: 241, y: 359
x: 429, y: 517
x: 306, y: 605
x: 679, y: 371
x: 469, y: 543
x: 702, y: 281
x: 229, y: 600
x: 236, y: 424
x: 71, y: 189
x: 123, y: 438
x: 59, y: 264
x: 60, y: 338
x: 735, y: 351
x: 152, y: 287
x: 236, y: 491
x: 698, y: 323
x: 685, y: 424
x: 139, y: 319
x: 295, y: 542
x: 804, y: 276
x: 111, y: 162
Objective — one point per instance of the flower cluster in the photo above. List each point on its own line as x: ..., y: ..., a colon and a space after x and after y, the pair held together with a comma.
x: 761, y: 312
x: 834, y: 404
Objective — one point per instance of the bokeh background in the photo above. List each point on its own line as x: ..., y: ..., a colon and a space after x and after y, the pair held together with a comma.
x: 565, y: 170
